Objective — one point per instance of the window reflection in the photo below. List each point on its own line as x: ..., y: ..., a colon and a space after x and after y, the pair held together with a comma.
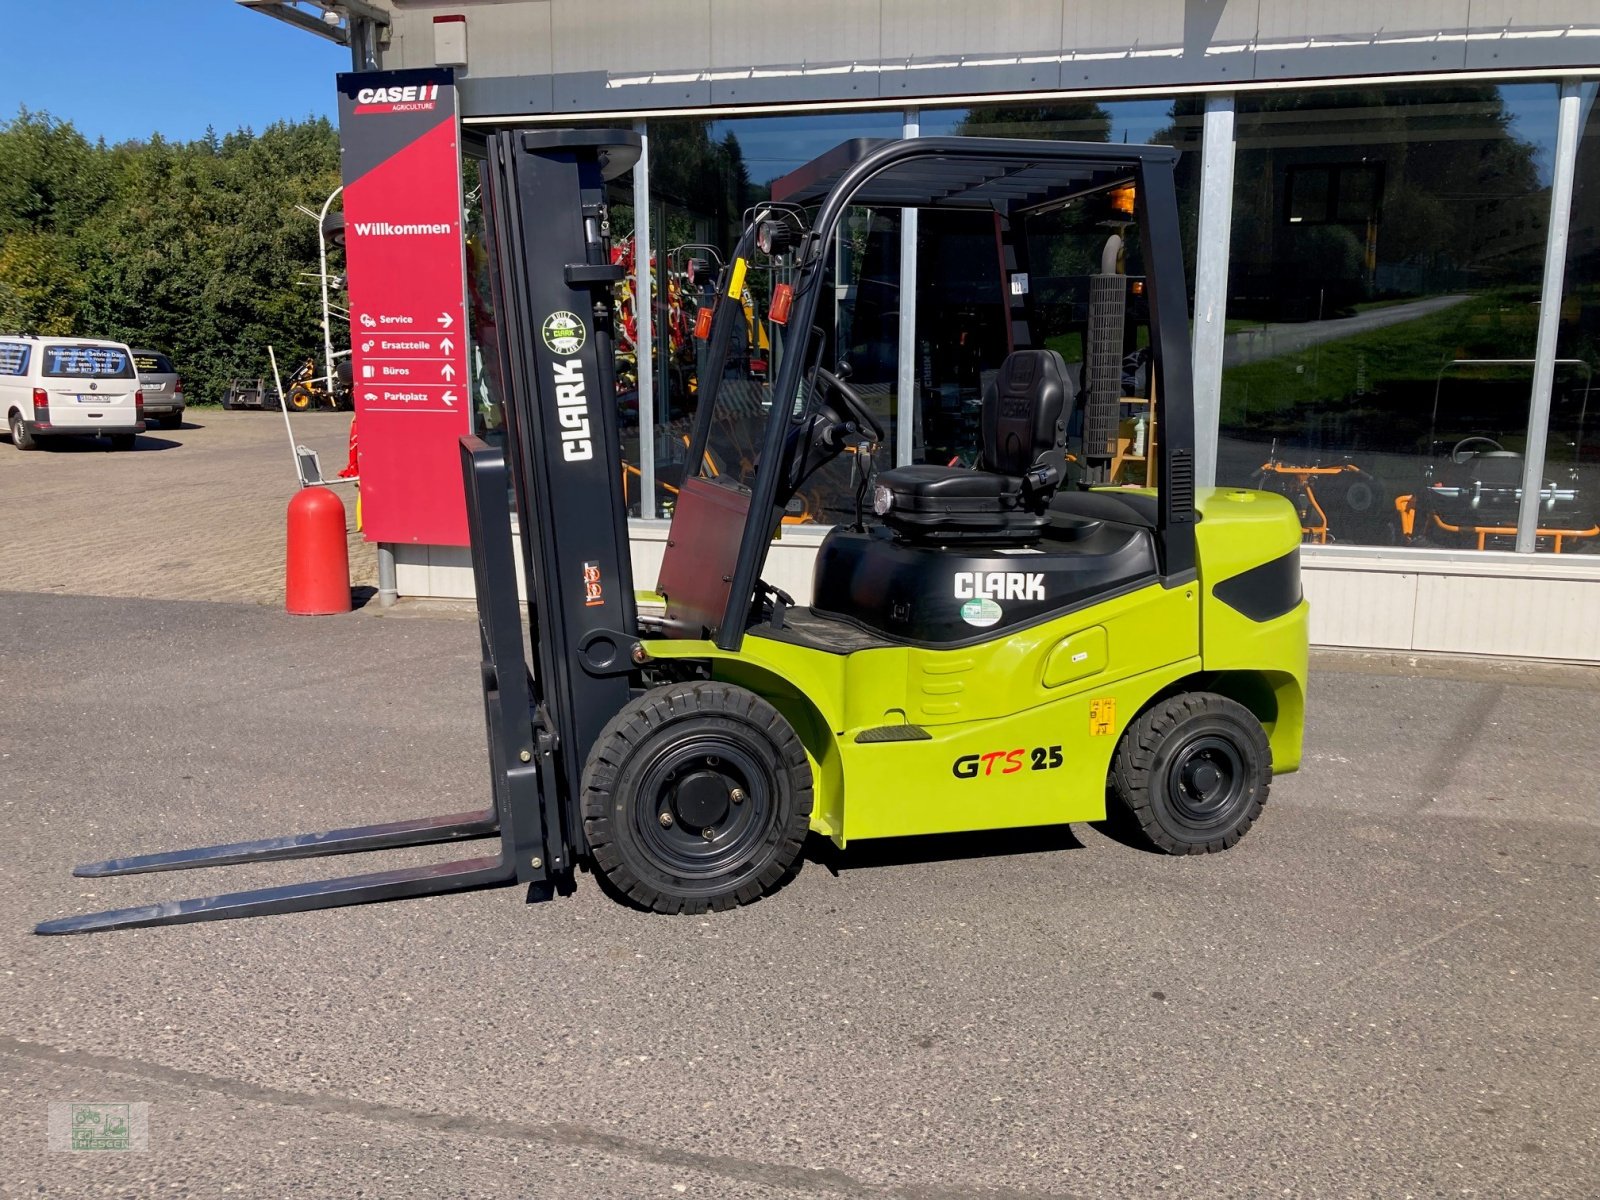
x: 1387, y: 253
x: 1084, y: 298
x: 1573, y: 453
x: 705, y: 176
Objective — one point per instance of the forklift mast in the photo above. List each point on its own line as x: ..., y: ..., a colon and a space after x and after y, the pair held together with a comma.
x: 552, y: 283
x: 552, y: 291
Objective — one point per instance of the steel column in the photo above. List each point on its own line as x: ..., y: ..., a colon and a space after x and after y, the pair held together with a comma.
x: 1555, y: 269
x: 906, y: 409
x: 1211, y: 280
x: 388, y: 588
x: 644, y: 324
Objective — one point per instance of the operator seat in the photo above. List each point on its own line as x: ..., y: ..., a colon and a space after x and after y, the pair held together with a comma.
x: 1020, y: 464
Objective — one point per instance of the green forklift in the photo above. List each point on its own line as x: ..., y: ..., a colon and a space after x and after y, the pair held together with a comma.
x: 993, y: 647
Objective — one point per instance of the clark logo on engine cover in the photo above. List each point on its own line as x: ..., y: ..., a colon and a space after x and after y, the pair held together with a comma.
x: 999, y: 585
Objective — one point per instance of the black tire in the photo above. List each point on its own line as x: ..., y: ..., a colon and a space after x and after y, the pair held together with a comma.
x: 123, y: 441
x: 302, y: 398
x: 712, y: 757
x: 172, y: 421
x: 1193, y: 773
x: 21, y: 437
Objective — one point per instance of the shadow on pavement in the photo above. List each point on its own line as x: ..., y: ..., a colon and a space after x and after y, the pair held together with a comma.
x: 68, y: 444
x: 940, y: 847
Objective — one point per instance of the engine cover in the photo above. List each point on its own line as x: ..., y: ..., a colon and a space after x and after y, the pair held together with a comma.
x: 951, y: 595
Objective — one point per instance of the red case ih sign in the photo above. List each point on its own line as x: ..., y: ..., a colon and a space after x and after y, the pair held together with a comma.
x: 406, y: 265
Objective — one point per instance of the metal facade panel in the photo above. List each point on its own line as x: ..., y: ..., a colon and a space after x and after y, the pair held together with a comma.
x: 1106, y: 45
x: 631, y: 37
x: 757, y: 59
x: 1359, y: 20
x: 631, y: 54
x: 1004, y: 45
x: 919, y: 29
x: 1373, y: 609
x: 1533, y: 33
x: 832, y: 32
x: 935, y: 78
x: 1274, y: 60
x: 794, y: 85
x: 1314, y: 38
x: 506, y: 94
x: 1528, y: 617
x: 601, y: 91
x: 508, y: 39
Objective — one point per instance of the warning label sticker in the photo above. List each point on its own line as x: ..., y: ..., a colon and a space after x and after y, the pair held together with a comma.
x: 1103, y: 716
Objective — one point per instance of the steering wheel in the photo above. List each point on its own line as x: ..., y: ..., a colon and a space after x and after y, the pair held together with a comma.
x: 1457, y: 457
x: 853, y: 402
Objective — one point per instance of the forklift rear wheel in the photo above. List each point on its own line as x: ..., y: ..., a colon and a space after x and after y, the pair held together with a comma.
x: 696, y: 796
x: 301, y: 399
x: 1193, y: 771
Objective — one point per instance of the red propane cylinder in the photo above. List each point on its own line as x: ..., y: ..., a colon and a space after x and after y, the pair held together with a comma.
x: 317, y: 582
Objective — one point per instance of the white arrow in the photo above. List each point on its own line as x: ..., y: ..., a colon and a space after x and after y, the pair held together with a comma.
x: 447, y: 371
x: 446, y: 320
x: 447, y: 345
x: 449, y: 398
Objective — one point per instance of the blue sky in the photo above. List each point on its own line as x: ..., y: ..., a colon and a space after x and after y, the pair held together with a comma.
x: 123, y: 69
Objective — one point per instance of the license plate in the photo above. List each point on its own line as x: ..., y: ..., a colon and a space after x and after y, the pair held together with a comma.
x: 153, y: 387
x: 94, y: 400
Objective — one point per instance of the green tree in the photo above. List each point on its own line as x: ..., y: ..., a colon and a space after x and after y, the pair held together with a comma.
x: 194, y: 248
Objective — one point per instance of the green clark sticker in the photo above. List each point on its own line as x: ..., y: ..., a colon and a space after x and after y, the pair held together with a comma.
x: 564, y: 333
x: 981, y: 612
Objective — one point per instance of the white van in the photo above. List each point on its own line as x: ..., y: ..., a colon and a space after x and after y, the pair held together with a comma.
x: 83, y: 386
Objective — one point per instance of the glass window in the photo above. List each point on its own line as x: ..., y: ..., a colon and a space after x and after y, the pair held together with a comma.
x: 488, y: 386
x: 1383, y: 300
x: 1084, y: 284
x: 489, y: 389
x: 87, y: 362
x: 149, y: 363
x: 705, y: 175
x: 13, y: 359
x: 1572, y: 472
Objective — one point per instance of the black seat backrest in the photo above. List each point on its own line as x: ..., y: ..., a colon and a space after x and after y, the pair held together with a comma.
x: 1025, y: 413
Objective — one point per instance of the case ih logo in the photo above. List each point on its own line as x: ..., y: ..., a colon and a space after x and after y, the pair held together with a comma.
x: 416, y: 98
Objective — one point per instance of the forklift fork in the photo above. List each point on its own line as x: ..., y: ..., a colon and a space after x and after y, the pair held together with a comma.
x: 525, y: 815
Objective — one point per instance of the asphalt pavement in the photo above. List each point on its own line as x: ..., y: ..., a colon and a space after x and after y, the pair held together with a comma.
x: 198, y: 511
x: 1389, y: 988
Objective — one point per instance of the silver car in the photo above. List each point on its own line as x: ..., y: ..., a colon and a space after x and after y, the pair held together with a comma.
x: 161, y: 387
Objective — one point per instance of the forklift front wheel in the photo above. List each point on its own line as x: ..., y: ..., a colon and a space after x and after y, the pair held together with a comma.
x: 1193, y: 771
x: 696, y: 796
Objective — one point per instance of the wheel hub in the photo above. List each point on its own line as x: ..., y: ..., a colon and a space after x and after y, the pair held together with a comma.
x: 1201, y: 778
x: 700, y: 799
x: 1209, y: 777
